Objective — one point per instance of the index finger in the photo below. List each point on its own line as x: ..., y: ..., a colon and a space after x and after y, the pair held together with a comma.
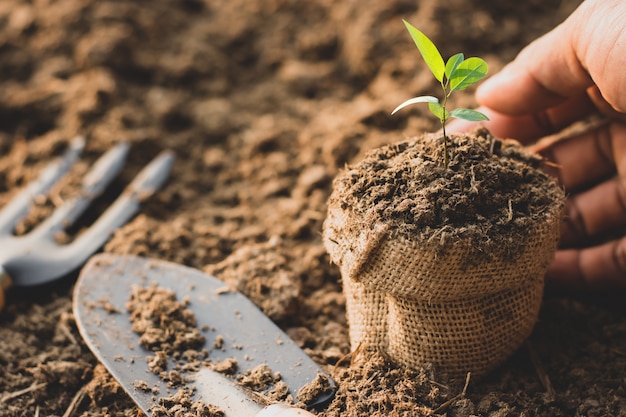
x: 528, y: 128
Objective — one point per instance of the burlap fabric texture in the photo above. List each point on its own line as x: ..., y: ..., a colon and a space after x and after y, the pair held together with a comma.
x: 408, y: 299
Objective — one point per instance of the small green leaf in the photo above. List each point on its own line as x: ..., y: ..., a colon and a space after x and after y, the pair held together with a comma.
x: 467, y: 73
x: 468, y: 114
x: 439, y: 111
x: 420, y: 99
x: 452, y: 64
x: 428, y: 50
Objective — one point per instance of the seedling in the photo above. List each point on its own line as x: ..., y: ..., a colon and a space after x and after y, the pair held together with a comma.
x: 456, y: 74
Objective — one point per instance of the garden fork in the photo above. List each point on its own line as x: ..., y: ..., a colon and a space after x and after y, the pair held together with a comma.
x: 35, y: 258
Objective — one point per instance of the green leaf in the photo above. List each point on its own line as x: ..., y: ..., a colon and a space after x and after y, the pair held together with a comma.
x: 467, y: 73
x: 468, y: 114
x: 439, y: 111
x: 428, y: 50
x: 420, y: 99
x: 452, y: 64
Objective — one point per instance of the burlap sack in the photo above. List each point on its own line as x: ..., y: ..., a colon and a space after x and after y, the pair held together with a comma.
x: 420, y: 304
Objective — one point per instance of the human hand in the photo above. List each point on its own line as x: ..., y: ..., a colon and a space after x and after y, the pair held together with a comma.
x: 569, y: 73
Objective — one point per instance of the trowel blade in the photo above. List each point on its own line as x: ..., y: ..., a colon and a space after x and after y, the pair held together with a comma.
x: 249, y: 336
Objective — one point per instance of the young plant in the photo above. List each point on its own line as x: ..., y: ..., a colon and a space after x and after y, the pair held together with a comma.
x: 457, y: 73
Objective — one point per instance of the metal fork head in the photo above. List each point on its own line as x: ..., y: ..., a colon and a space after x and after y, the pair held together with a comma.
x: 35, y: 257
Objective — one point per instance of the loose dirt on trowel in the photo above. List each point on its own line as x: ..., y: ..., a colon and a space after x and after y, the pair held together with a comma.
x: 169, y: 329
x: 263, y: 102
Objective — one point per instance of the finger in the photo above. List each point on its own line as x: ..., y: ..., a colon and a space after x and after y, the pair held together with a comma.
x: 500, y: 125
x: 526, y: 129
x: 590, y: 157
x: 605, y: 108
x: 595, y: 268
x: 598, y: 211
x: 531, y: 127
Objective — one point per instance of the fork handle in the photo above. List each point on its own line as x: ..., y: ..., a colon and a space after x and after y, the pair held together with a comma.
x: 5, y: 283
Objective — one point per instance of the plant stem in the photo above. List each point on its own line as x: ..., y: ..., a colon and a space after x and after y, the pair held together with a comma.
x: 444, y: 119
x: 445, y: 143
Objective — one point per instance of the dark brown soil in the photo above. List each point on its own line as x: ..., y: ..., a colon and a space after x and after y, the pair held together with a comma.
x: 490, y: 194
x: 263, y: 102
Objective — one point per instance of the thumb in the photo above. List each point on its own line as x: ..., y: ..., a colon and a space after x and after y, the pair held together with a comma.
x: 543, y: 75
x: 587, y: 49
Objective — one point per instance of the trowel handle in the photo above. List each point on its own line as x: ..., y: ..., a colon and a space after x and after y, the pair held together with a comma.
x: 283, y: 410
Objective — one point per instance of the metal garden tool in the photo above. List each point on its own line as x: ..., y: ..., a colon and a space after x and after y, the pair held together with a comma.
x: 234, y: 329
x: 35, y: 258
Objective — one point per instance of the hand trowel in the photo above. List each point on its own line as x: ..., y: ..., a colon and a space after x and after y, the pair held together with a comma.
x: 246, y: 335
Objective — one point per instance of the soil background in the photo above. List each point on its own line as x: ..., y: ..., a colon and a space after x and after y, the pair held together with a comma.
x: 263, y: 102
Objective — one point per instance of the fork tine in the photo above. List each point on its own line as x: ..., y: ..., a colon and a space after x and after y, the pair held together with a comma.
x: 20, y: 204
x: 150, y: 179
x: 94, y: 183
x: 34, y: 260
